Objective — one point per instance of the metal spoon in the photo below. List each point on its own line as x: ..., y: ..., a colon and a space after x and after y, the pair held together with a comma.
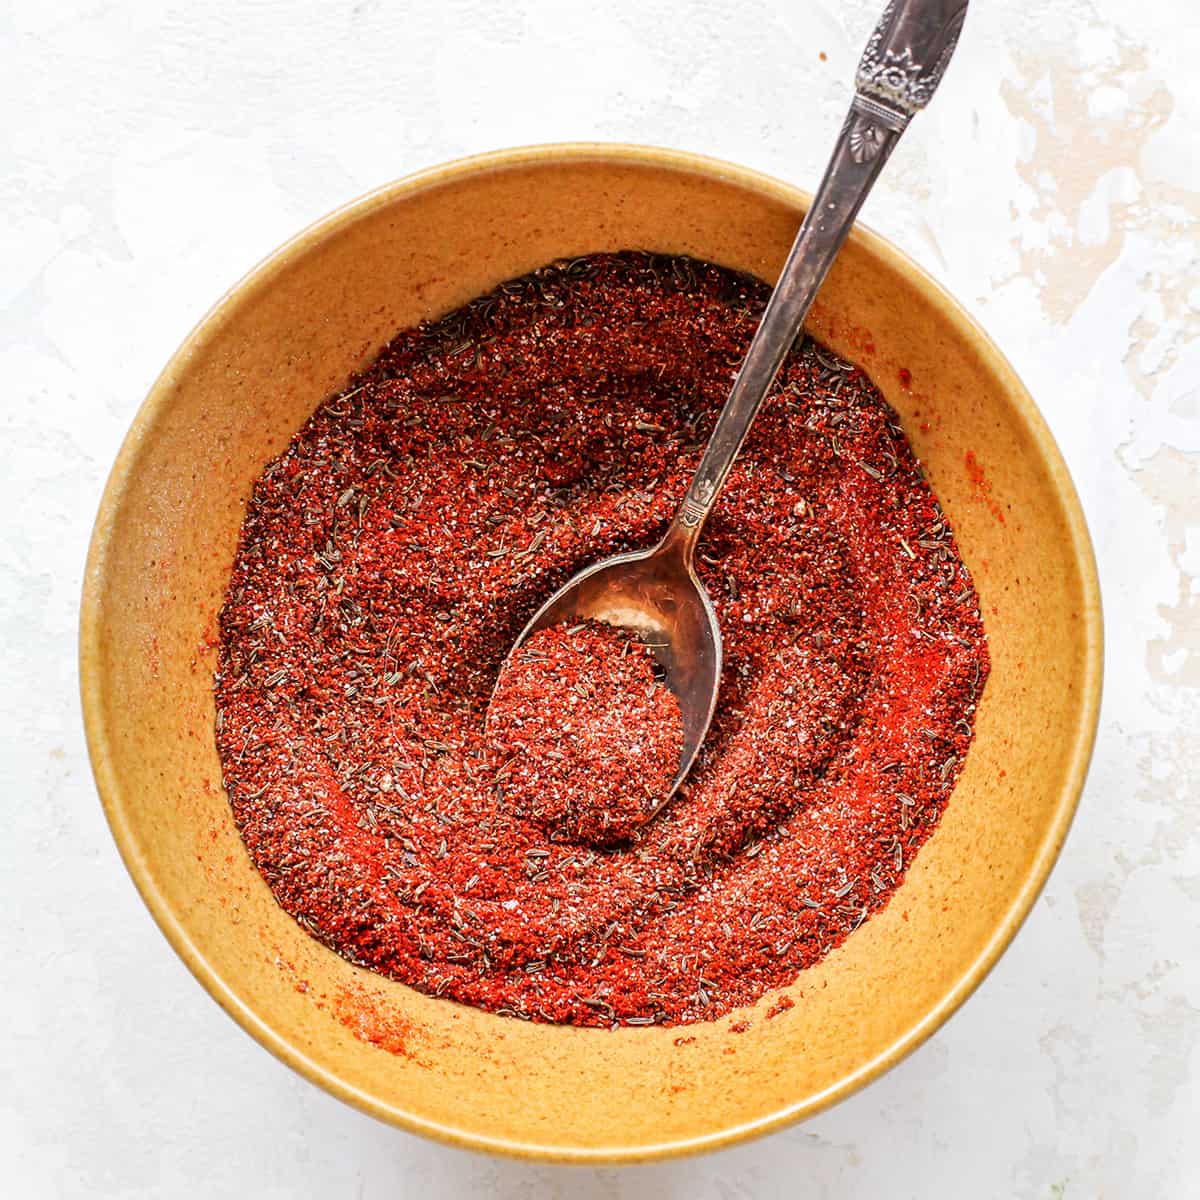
x: 656, y: 592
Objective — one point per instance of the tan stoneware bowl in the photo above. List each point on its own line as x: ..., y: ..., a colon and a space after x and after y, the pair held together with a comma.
x: 230, y: 399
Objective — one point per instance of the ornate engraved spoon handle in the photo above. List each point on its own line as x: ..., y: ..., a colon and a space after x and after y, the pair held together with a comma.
x: 903, y: 63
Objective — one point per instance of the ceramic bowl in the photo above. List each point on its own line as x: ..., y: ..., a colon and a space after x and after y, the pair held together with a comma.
x: 230, y: 399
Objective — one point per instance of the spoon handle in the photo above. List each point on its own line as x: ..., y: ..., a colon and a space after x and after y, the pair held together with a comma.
x: 901, y: 66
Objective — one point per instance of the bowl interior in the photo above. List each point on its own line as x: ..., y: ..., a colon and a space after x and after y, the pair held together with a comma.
x: 165, y: 539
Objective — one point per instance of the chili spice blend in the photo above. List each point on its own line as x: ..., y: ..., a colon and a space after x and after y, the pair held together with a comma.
x: 391, y: 554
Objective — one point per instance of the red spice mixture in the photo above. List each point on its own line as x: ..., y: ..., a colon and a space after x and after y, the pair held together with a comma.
x: 390, y: 556
x: 585, y: 739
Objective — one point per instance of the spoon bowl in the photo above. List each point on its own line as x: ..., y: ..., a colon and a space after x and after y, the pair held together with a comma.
x: 657, y: 595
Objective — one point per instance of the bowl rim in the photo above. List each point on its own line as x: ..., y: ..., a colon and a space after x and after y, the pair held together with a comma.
x: 260, y: 277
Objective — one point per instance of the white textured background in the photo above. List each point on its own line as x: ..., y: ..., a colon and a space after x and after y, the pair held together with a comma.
x: 151, y: 152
